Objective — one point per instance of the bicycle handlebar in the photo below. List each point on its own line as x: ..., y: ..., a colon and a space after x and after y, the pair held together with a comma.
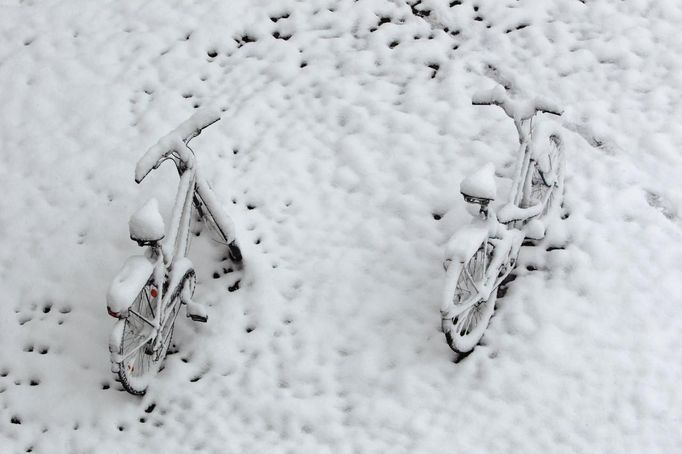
x: 516, y: 110
x: 176, y: 142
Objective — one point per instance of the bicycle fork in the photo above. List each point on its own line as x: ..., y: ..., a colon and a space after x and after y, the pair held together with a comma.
x: 502, y: 264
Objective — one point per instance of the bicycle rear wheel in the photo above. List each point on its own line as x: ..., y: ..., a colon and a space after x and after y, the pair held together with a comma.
x: 463, y: 323
x: 141, y: 362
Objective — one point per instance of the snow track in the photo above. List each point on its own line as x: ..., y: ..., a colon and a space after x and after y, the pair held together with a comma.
x: 347, y: 128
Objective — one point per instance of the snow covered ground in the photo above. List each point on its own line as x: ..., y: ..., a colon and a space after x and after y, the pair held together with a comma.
x: 348, y: 127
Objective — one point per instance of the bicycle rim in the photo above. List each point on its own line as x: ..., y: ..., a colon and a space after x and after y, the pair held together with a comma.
x: 464, y: 330
x: 140, y: 363
x: 546, y: 186
x: 138, y: 369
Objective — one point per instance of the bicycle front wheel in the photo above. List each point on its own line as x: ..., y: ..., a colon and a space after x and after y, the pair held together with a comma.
x: 545, y: 180
x: 467, y: 315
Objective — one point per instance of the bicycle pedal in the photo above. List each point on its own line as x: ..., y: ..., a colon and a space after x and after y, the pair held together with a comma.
x: 199, y: 318
x: 234, y: 252
x: 197, y: 312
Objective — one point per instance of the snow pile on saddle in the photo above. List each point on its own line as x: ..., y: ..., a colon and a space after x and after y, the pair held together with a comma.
x: 146, y: 224
x: 480, y: 184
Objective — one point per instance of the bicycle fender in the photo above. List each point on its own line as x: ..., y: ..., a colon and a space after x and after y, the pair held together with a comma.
x: 461, y: 246
x: 127, y: 284
x: 543, y: 131
x: 465, y: 242
x: 180, y: 268
x: 512, y: 212
x: 223, y: 222
x: 115, y: 345
x: 451, y: 277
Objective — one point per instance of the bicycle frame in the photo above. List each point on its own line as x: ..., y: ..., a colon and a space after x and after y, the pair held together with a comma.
x: 480, y: 256
x: 169, y: 255
x: 507, y: 234
x: 148, y: 292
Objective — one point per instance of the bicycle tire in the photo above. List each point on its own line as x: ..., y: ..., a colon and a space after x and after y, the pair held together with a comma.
x: 464, y: 330
x: 546, y: 177
x: 145, y: 360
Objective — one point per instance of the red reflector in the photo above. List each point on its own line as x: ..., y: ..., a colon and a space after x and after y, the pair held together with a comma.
x: 154, y: 292
x: 113, y: 314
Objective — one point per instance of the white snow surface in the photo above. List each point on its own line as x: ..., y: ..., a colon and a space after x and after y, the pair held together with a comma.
x: 347, y: 129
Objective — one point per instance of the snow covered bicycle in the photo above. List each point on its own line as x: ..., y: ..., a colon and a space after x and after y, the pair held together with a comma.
x: 147, y: 293
x: 480, y: 256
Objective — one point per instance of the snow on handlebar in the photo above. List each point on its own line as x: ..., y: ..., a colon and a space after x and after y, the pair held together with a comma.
x: 176, y: 141
x: 495, y: 96
x: 516, y: 110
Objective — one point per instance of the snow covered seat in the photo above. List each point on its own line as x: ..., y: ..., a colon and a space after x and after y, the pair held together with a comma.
x: 146, y: 224
x: 479, y: 187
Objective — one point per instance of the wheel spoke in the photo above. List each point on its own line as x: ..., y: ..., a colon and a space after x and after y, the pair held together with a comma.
x: 149, y: 303
x: 472, y: 317
x: 133, y: 350
x: 168, y: 327
x: 471, y: 279
x: 462, y: 286
x: 142, y: 318
x: 460, y: 320
x: 465, y: 325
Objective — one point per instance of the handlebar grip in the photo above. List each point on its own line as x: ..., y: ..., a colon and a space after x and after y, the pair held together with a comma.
x: 493, y: 97
x: 193, y: 126
x: 544, y: 105
x: 516, y: 110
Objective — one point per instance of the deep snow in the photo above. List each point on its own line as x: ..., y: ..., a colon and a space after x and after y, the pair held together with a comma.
x: 347, y: 131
